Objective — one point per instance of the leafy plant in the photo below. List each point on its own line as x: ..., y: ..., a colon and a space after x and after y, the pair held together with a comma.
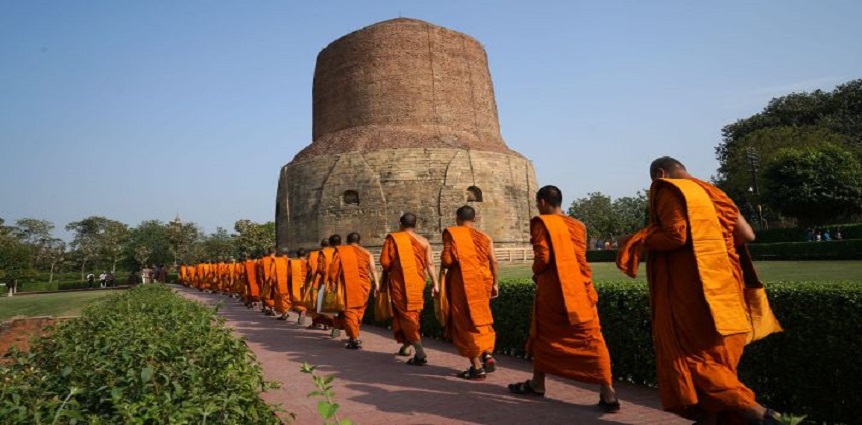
x: 327, y: 408
x: 145, y: 357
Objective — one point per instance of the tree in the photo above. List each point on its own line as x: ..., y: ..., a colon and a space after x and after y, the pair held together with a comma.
x: 113, y: 242
x: 608, y: 219
x: 795, y: 120
x: 14, y: 255
x: 36, y: 234
x: 183, y: 237
x: 816, y: 184
x: 254, y: 239
x: 150, y: 242
x: 55, y: 252
x: 86, y: 239
x: 218, y: 246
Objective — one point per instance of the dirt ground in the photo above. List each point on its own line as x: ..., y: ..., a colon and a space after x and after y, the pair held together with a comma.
x: 19, y: 332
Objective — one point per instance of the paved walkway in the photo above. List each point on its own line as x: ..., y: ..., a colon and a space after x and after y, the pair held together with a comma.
x: 373, y: 386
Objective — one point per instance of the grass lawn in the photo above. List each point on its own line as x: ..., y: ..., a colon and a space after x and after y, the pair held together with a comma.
x: 68, y: 304
x: 768, y: 271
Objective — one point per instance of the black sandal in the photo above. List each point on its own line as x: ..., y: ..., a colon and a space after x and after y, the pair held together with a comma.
x: 354, y: 345
x: 473, y: 374
x: 524, y: 388
x: 417, y: 361
x: 609, y: 407
x: 405, y: 351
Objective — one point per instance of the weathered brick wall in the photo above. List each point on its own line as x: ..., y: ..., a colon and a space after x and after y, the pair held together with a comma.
x: 432, y: 183
x: 428, y: 84
x: 405, y: 117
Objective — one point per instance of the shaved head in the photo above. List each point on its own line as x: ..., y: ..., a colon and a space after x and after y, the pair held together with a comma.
x: 552, y: 195
x: 408, y: 221
x: 466, y: 213
x: 666, y: 164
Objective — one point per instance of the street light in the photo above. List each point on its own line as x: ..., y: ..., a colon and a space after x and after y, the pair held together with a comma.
x: 753, y: 162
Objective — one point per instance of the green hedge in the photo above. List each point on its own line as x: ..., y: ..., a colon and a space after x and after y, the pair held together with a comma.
x: 144, y: 357
x: 812, y: 368
x: 602, y: 256
x: 808, y: 251
x: 800, y: 234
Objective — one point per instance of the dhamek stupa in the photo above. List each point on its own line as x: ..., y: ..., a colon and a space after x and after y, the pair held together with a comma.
x: 404, y: 119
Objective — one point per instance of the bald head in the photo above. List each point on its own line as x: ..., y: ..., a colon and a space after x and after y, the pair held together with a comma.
x: 353, y: 238
x: 335, y: 240
x: 408, y: 221
x: 465, y: 213
x: 666, y: 167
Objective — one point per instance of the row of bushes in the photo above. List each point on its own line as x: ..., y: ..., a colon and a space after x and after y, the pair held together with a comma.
x: 783, y: 251
x: 808, y: 251
x: 144, y: 357
x: 812, y: 368
x: 800, y: 234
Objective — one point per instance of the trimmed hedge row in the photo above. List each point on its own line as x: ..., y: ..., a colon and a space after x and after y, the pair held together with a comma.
x: 144, y: 357
x: 812, y: 368
x: 799, y: 234
x: 808, y: 251
x: 785, y: 251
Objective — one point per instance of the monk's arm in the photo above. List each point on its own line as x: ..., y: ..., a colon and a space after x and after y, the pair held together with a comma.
x: 541, y: 247
x: 495, y: 270
x: 671, y: 231
x: 309, y: 274
x: 429, y: 265
x: 742, y: 232
x: 387, y: 255
x: 448, y: 256
x: 372, y: 271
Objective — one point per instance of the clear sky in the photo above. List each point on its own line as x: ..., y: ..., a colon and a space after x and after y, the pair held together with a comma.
x: 139, y: 110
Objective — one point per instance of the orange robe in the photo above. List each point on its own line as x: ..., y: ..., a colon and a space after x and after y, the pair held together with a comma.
x: 199, y: 276
x: 466, y: 255
x: 403, y: 259
x: 267, y: 276
x: 697, y: 293
x: 296, y: 280
x: 281, y: 295
x: 565, y: 334
x: 251, y: 281
x: 221, y: 277
x: 321, y: 277
x: 351, y: 267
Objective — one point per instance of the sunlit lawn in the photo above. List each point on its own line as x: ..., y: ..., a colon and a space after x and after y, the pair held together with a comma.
x: 768, y: 271
x: 62, y: 304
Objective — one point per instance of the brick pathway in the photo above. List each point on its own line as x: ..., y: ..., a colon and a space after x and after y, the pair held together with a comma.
x: 373, y: 386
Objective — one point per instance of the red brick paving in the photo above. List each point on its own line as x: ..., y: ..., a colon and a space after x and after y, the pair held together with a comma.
x: 374, y: 386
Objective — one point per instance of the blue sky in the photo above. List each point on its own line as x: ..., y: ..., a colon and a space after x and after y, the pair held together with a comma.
x: 139, y: 110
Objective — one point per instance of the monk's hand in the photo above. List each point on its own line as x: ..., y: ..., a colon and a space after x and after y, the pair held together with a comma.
x: 495, y: 291
x: 435, y: 291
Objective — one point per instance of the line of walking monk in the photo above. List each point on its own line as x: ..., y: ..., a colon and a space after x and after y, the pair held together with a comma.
x: 707, y: 302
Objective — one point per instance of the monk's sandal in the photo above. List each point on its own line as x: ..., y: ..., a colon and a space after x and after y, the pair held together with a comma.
x: 473, y: 374
x: 353, y: 345
x: 417, y: 361
x: 488, y: 363
x: 609, y: 406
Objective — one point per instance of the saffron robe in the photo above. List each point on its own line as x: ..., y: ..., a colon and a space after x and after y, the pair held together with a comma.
x: 351, y: 267
x: 403, y: 259
x: 280, y: 292
x: 296, y: 279
x: 466, y: 254
x: 251, y: 281
x: 699, y: 313
x: 565, y: 334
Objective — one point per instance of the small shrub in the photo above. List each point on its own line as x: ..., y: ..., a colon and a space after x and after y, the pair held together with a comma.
x: 144, y: 357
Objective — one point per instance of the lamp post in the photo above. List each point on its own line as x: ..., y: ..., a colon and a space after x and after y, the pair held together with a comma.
x: 753, y: 162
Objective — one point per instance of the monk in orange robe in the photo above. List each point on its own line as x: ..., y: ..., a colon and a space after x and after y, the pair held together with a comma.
x: 297, y: 269
x: 267, y: 276
x: 697, y: 294
x: 353, y: 267
x: 182, y: 274
x: 251, y: 283
x: 202, y: 272
x: 280, y: 291
x: 324, y: 260
x: 565, y: 334
x: 407, y: 259
x: 311, y: 284
x: 221, y: 277
x: 468, y: 269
